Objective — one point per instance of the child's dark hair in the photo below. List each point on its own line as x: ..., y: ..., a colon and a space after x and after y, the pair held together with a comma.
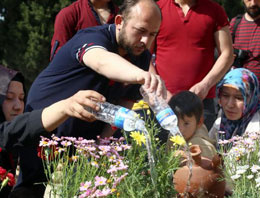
x: 186, y: 103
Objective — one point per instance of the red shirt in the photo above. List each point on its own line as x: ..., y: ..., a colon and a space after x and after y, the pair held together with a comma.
x: 77, y: 16
x: 185, y: 44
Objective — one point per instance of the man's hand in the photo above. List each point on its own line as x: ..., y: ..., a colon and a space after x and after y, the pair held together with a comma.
x: 200, y: 89
x: 152, y: 82
x: 75, y: 106
x: 82, y: 100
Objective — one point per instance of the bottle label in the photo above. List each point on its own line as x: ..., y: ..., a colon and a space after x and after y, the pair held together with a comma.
x: 162, y: 115
x: 119, y: 118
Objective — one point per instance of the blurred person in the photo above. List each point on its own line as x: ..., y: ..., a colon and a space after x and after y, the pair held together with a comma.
x: 245, y: 30
x: 79, y: 15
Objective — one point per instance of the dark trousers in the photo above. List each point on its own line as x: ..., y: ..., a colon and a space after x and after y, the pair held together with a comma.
x: 209, y: 112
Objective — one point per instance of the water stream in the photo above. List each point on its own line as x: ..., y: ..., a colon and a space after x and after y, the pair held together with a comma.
x: 176, y: 132
x: 151, y: 158
x: 152, y: 162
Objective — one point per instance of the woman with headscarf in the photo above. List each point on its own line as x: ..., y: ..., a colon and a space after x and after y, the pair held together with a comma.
x: 12, y: 95
x: 238, y: 97
x: 26, y: 129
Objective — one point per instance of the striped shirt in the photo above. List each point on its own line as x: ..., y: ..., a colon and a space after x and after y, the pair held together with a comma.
x: 247, y: 37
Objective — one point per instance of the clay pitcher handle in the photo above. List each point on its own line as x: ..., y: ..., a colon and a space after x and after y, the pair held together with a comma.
x: 196, y: 153
x: 217, y: 161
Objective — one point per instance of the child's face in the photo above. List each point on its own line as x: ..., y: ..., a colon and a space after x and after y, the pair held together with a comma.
x: 187, y: 126
x: 232, y: 102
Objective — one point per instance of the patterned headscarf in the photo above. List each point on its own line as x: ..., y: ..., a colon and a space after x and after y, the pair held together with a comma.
x: 247, y: 83
x: 6, y: 76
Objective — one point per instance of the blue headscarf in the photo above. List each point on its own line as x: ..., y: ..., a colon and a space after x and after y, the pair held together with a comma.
x: 247, y: 83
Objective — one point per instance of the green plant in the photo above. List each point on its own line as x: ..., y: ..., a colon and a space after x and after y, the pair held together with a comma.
x: 242, y: 164
x: 112, y: 168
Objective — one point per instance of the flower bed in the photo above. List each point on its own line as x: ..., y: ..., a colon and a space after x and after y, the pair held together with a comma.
x: 242, y: 165
x: 112, y: 168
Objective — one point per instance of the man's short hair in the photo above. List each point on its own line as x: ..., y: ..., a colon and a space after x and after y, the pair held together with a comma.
x: 186, y: 103
x: 125, y: 8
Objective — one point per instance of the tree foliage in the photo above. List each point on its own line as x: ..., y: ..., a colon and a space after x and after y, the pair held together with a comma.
x: 26, y: 29
x: 232, y: 7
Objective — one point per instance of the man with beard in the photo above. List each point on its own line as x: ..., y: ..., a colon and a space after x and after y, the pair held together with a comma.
x: 104, y: 58
x: 246, y: 37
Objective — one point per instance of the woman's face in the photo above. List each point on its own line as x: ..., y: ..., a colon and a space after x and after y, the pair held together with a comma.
x: 232, y: 102
x: 13, y: 104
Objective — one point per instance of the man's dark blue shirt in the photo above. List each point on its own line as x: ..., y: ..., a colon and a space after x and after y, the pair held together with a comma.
x: 64, y: 77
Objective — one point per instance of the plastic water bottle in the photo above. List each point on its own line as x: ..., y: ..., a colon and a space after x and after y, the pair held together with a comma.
x: 119, y: 116
x: 163, y: 112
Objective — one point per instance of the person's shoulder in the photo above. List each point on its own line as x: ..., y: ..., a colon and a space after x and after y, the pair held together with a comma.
x: 203, y: 134
x: 74, y: 7
x: 212, y: 5
x: 210, y: 2
x: 254, y: 124
x: 100, y: 29
x: 256, y: 117
x: 234, y: 19
x: 103, y: 35
x: 201, y: 137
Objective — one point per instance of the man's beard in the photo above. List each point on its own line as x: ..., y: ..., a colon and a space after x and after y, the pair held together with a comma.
x: 253, y: 13
x: 122, y: 42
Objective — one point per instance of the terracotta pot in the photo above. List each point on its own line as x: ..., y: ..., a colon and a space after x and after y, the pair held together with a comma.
x: 206, y: 179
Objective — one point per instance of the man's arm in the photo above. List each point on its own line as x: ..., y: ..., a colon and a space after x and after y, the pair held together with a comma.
x: 57, y: 113
x: 27, y: 128
x: 115, y: 67
x: 224, y: 44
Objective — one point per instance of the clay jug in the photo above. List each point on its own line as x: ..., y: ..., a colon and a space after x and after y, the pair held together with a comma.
x: 206, y: 179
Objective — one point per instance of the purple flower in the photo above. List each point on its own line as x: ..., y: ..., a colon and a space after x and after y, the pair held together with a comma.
x: 100, y: 181
x: 94, y: 163
x: 71, y: 139
x: 85, y: 194
x: 44, y: 143
x: 66, y: 143
x: 126, y: 146
x: 118, y: 180
x: 106, y: 192
x: 85, y: 186
x: 104, y: 148
x: 52, y: 143
x: 112, y: 169
x: 55, y: 138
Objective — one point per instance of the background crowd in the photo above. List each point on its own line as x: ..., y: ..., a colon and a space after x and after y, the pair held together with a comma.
x: 191, y: 43
x: 27, y: 27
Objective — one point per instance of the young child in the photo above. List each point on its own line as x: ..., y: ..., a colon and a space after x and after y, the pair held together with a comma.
x: 189, y: 109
